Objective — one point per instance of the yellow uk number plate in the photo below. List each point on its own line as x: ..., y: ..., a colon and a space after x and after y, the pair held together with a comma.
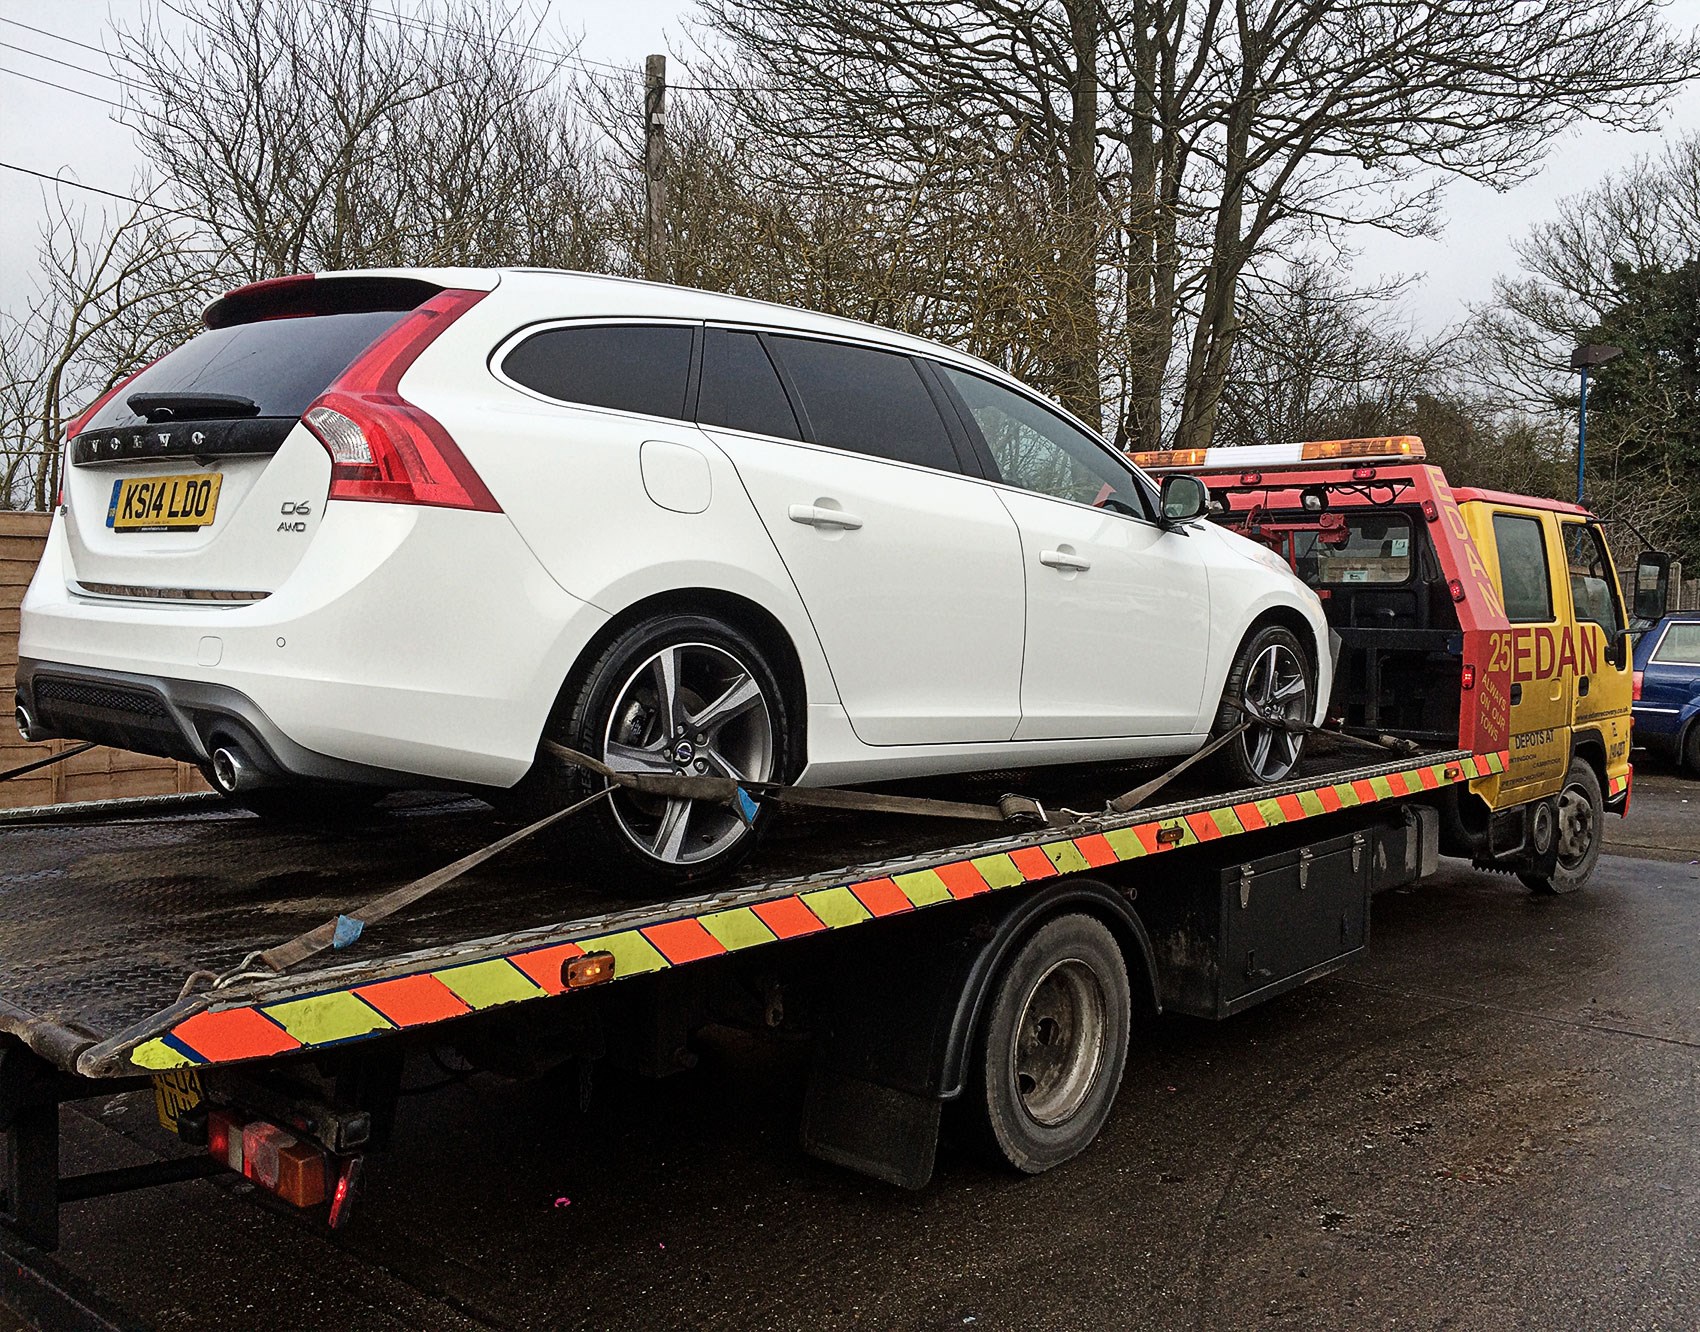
x: 175, y: 1094
x: 160, y: 503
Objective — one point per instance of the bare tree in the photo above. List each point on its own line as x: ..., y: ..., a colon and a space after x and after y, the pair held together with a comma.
x: 331, y: 134
x: 1619, y: 264
x: 114, y: 294
x: 1177, y: 141
x: 1318, y: 359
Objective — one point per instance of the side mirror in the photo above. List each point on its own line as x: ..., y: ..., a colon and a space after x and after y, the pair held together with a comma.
x: 1617, y: 651
x: 1651, y: 597
x: 1183, y: 499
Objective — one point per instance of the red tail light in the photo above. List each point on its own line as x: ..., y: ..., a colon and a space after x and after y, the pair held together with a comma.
x: 1467, y: 677
x: 384, y: 448
x: 1635, y: 687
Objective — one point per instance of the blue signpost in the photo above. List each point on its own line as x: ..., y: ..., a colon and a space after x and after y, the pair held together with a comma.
x: 1581, y: 359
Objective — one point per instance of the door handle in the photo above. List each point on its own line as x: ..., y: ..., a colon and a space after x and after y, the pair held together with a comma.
x: 1516, y: 693
x: 813, y: 515
x: 1582, y: 685
x: 1064, y: 559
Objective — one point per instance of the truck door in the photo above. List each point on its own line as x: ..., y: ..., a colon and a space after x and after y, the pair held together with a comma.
x: 1528, y: 560
x: 1603, y: 680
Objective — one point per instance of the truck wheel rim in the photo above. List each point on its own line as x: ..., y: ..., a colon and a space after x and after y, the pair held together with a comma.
x: 689, y: 710
x: 1275, y: 688
x: 1575, y: 826
x: 1058, y: 1043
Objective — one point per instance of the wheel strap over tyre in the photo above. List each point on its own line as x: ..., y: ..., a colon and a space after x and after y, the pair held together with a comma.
x: 744, y: 797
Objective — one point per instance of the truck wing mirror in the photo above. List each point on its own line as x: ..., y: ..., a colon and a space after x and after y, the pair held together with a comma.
x: 1652, y: 586
x: 1183, y: 499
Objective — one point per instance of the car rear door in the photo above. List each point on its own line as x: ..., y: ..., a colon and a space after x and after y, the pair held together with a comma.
x: 1118, y: 608
x: 910, y: 571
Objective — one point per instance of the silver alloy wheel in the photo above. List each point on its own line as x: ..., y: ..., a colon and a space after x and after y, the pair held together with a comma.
x: 690, y: 710
x: 1575, y: 827
x: 1058, y: 1042
x: 1275, y: 689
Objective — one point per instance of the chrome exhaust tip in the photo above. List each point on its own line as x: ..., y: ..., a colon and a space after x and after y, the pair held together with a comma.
x: 231, y: 772
x: 26, y: 724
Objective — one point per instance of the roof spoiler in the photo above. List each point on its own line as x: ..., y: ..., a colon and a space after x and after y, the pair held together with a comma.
x: 306, y: 294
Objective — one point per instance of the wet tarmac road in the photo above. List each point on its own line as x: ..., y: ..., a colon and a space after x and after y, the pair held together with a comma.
x: 1492, y: 1122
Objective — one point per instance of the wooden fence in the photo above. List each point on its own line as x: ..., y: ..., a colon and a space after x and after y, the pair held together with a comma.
x: 100, y: 774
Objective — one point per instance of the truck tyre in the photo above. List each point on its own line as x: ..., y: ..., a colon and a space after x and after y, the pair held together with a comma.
x: 1581, y: 831
x: 1052, y: 1046
x: 1272, y: 676
x: 684, y: 695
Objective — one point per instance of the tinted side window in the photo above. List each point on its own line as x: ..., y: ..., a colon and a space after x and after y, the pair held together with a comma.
x: 869, y: 401
x: 1524, y: 582
x: 624, y: 366
x: 740, y: 388
x: 1038, y: 450
x: 1593, y: 585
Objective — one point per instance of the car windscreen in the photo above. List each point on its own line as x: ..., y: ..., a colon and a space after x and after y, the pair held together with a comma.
x: 280, y: 365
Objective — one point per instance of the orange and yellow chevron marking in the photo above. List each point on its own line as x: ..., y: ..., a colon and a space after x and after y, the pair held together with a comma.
x: 445, y: 992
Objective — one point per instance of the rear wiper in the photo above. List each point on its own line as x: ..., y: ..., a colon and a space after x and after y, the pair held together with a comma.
x: 162, y: 407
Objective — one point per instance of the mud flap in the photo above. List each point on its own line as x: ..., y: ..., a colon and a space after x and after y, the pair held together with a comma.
x: 878, y: 1131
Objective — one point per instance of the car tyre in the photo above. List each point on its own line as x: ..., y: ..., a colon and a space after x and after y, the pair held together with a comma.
x: 1273, y: 676
x: 682, y: 695
x: 1690, y: 755
x: 1052, y: 1046
x: 1581, y: 832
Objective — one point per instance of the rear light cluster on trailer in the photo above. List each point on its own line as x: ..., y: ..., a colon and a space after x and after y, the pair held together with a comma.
x: 384, y: 448
x: 272, y: 1157
x: 300, y: 1172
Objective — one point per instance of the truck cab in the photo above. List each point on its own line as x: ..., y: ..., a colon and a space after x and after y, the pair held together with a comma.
x: 1468, y: 616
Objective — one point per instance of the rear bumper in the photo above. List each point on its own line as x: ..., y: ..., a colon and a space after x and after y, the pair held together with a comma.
x: 411, y: 646
x: 179, y: 719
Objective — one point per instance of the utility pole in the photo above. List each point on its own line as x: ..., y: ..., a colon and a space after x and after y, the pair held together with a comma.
x: 654, y: 164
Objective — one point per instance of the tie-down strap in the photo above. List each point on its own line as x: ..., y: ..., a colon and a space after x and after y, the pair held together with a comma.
x: 741, y: 795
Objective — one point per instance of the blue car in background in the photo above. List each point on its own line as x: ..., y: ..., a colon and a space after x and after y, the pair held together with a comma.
x: 1667, y: 688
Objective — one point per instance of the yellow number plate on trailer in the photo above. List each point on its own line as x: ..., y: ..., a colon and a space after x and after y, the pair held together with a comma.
x: 174, y: 1094
x: 160, y: 503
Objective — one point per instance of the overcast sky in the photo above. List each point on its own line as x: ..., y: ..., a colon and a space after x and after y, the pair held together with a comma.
x: 51, y: 130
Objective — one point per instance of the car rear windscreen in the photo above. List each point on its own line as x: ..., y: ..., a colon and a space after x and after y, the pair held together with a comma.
x: 279, y: 364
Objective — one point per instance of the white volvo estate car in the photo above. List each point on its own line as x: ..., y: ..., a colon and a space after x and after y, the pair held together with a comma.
x: 393, y: 529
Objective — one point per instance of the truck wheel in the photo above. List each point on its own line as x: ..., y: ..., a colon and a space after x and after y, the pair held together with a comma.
x: 679, y: 695
x: 1581, y: 830
x: 1053, y: 1045
x: 1272, y: 677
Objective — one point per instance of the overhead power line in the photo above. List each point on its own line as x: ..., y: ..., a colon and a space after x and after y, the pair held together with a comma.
x: 525, y: 49
x: 81, y: 69
x: 57, y: 36
x: 18, y: 73
x: 110, y: 194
